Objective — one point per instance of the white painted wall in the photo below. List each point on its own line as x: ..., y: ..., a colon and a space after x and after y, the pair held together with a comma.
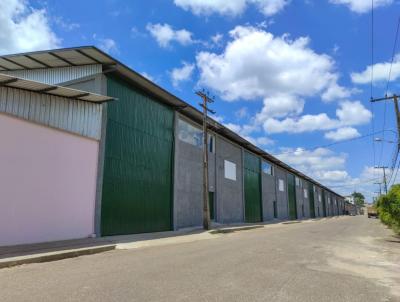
x: 47, y: 183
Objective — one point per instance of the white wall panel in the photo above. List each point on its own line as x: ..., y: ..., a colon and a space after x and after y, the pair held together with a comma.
x: 57, y: 75
x: 74, y: 116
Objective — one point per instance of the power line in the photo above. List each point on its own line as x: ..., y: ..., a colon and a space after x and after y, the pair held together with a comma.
x: 395, y: 157
x: 394, y: 162
x: 372, y: 46
x: 332, y: 144
x: 393, y: 178
x: 393, y: 54
x: 356, y: 183
x: 387, y: 89
x: 372, y: 79
x: 394, y: 97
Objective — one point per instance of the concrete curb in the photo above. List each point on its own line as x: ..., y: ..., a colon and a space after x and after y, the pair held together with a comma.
x: 54, y: 256
x: 235, y: 229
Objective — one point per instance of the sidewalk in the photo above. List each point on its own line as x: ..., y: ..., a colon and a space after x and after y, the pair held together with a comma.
x: 52, y: 251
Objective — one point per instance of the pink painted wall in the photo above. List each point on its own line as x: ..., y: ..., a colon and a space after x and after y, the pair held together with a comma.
x: 47, y: 183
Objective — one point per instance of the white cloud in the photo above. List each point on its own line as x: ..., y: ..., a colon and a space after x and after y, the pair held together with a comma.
x: 270, y: 7
x: 24, y: 28
x: 165, y: 34
x: 381, y: 72
x: 314, y: 163
x: 280, y: 105
x: 217, y: 39
x: 66, y: 25
x: 208, y: 7
x: 256, y: 64
x: 336, y: 49
x: 373, y: 173
x: 263, y: 141
x: 135, y: 32
x: 353, y: 113
x: 243, y: 130
x: 336, y: 92
x: 306, y: 123
x: 283, y: 72
x: 242, y: 113
x: 182, y: 74
x: 362, y: 6
x: 342, y: 134
x: 246, y: 130
x: 106, y: 44
x: 333, y: 175
x: 329, y: 168
x: 148, y: 76
x: 218, y: 118
x: 348, y: 114
x: 364, y: 183
x: 230, y: 8
x: 370, y: 172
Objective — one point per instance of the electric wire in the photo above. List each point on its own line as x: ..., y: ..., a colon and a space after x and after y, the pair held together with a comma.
x: 394, y: 162
x: 371, y: 85
x: 330, y: 144
x: 393, y: 168
x: 393, y: 54
x: 397, y: 170
x: 385, y: 103
x: 356, y: 183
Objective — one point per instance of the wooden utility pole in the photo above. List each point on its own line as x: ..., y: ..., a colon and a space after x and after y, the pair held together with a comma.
x: 394, y: 97
x: 206, y: 210
x: 384, y: 177
x: 380, y: 187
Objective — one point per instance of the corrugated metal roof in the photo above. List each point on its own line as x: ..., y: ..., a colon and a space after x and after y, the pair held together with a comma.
x: 86, y: 55
x: 15, y: 82
x: 55, y: 58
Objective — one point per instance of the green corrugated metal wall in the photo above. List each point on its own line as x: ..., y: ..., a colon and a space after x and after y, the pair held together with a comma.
x: 292, y: 197
x: 211, y: 205
x: 138, y: 166
x: 252, y: 187
x: 311, y: 199
x: 323, y: 203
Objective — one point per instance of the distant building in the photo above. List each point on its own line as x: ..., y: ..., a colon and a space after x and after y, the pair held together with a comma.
x: 350, y: 199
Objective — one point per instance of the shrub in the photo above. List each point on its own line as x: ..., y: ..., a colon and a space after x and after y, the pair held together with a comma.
x: 388, y: 207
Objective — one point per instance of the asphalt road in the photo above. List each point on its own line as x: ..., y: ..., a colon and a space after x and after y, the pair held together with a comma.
x: 336, y: 259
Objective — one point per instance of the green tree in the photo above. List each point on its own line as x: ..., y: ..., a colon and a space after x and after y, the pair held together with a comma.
x: 388, y: 207
x: 358, y: 198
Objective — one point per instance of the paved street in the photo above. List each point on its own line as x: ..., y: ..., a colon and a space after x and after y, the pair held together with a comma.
x: 336, y: 259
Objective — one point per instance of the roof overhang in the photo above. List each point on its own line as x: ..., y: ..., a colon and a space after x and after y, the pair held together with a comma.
x: 65, y: 57
x: 39, y: 87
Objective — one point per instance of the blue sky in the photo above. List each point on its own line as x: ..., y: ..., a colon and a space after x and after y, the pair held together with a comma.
x: 287, y: 75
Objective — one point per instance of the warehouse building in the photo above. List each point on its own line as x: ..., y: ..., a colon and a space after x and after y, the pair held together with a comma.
x: 48, y: 158
x: 148, y: 153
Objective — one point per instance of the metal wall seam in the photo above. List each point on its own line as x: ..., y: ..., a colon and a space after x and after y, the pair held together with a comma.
x: 56, y: 75
x: 74, y: 116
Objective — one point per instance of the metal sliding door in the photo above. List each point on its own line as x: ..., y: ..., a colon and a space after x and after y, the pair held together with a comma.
x: 252, y: 187
x: 292, y: 197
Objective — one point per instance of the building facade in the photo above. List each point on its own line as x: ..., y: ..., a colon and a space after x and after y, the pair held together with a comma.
x: 49, y: 159
x: 145, y: 152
